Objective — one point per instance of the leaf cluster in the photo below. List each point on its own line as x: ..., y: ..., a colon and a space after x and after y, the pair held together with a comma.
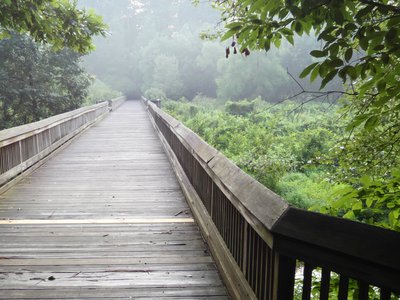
x: 56, y: 22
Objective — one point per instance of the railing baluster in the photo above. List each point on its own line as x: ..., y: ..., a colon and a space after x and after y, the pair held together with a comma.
x: 325, y: 284
x: 363, y: 290
x: 245, y: 249
x: 307, y: 281
x: 343, y: 287
x: 257, y: 265
x: 384, y: 294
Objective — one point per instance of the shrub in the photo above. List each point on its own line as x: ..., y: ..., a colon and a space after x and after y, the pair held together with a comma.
x: 239, y: 108
x: 154, y: 93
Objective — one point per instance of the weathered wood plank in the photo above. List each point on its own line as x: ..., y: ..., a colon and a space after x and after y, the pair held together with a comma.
x: 105, y: 219
x: 216, y: 292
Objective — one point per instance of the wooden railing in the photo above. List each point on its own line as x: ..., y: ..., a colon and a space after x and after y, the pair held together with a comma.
x: 23, y: 146
x: 115, y: 103
x: 266, y: 249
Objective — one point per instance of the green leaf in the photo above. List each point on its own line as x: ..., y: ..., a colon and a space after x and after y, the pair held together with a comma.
x: 290, y: 39
x: 363, y: 43
x: 307, y: 70
x: 385, y: 58
x: 348, y: 54
x: 363, y: 12
x: 391, y: 205
x: 317, y: 53
x: 371, y: 122
x: 267, y: 45
x: 230, y: 33
x: 381, y: 85
x: 357, y: 121
x: 357, y: 206
x: 392, y: 219
x: 369, y: 202
x: 350, y: 215
x: 391, y: 34
x: 334, y: 63
x: 328, y: 78
x: 338, y: 16
x: 298, y: 28
x: 314, y: 73
x: 366, y: 180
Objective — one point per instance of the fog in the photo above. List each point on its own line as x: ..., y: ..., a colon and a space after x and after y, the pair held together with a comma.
x: 154, y: 48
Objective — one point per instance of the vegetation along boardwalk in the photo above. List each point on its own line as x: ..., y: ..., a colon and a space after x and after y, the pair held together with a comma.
x: 104, y: 219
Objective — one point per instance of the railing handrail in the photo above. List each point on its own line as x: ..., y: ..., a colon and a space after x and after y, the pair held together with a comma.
x: 116, y: 102
x: 11, y: 135
x: 24, y: 146
x: 370, y: 249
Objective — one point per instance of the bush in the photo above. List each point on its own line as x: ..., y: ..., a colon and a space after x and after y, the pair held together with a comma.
x: 99, y: 91
x: 239, y: 108
x: 154, y: 94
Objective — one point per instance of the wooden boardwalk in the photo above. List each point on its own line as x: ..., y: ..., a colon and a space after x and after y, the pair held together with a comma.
x: 104, y: 219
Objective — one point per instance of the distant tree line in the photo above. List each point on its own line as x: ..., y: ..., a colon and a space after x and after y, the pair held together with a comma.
x: 155, y: 48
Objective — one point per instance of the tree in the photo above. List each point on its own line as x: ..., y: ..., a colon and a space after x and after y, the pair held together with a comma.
x: 36, y: 82
x: 56, y: 22
x: 254, y: 76
x: 166, y: 76
x: 360, y: 43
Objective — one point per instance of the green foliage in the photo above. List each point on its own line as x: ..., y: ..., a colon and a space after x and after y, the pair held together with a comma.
x: 99, y: 91
x: 166, y: 76
x: 316, y: 276
x: 154, y: 94
x: 288, y: 148
x: 306, y: 190
x: 274, y: 144
x: 373, y: 201
x: 59, y: 23
x: 258, y: 75
x: 342, y: 27
x: 359, y: 43
x: 36, y: 82
x: 239, y: 108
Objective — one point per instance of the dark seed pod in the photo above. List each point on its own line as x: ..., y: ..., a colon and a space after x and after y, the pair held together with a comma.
x: 246, y: 52
x: 227, y: 52
x: 233, y: 44
x: 234, y: 50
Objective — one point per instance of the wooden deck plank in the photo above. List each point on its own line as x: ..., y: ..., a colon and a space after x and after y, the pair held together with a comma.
x: 104, y: 219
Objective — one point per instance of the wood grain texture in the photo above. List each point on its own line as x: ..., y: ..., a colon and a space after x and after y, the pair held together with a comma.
x: 108, y: 221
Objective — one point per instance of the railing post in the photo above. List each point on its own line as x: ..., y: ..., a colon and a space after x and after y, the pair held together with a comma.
x: 282, y: 281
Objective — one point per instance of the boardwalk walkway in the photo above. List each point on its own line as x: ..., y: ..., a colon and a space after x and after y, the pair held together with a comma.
x: 104, y: 219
